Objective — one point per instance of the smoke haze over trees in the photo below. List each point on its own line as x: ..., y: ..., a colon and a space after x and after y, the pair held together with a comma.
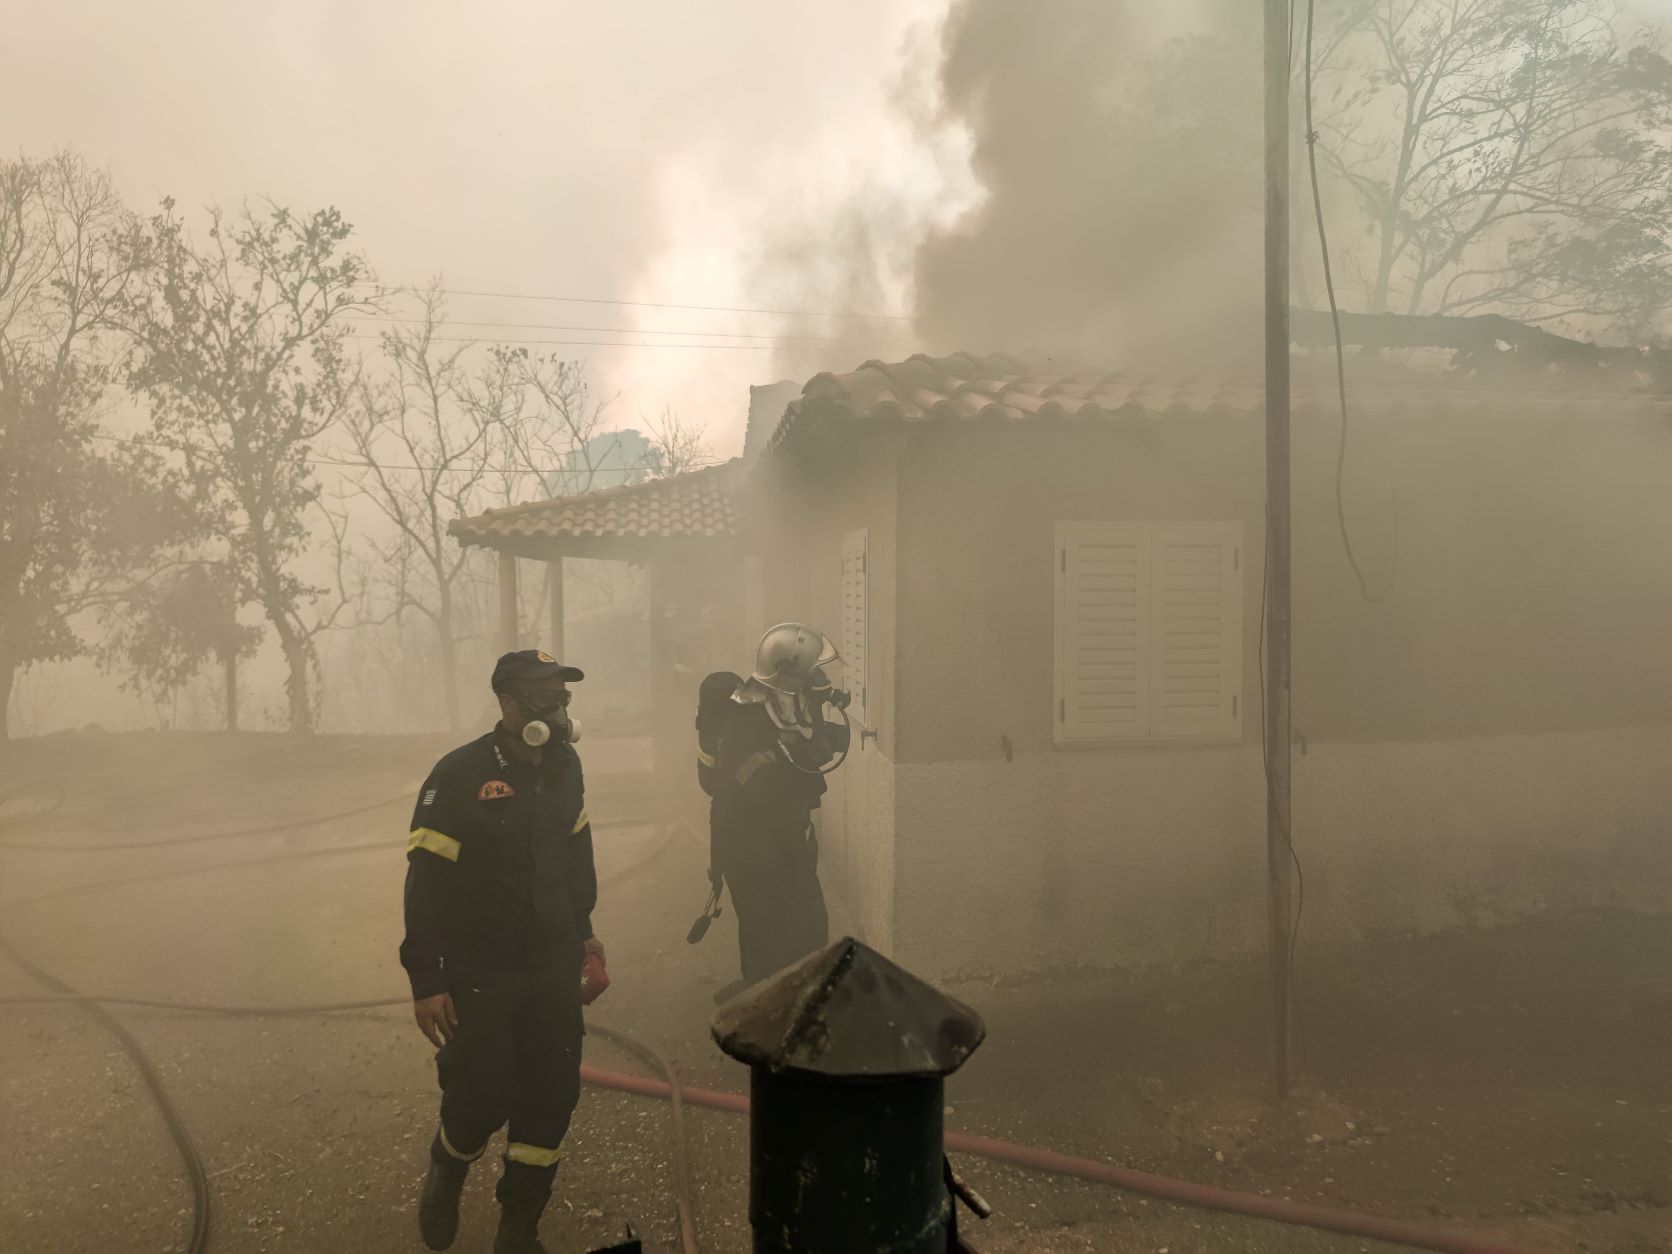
x: 1509, y: 156
x: 192, y: 404
x: 79, y: 513
x: 198, y: 453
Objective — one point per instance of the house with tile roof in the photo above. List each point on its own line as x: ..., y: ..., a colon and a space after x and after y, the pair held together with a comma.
x: 1047, y: 580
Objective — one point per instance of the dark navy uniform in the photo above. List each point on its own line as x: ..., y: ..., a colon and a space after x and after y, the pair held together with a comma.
x: 500, y: 890
x: 761, y: 833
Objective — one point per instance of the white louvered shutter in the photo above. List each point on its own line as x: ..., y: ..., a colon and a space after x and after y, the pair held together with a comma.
x: 1103, y: 593
x: 1195, y: 658
x: 855, y: 638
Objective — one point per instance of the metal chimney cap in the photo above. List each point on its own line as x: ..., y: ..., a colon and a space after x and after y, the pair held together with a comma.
x: 848, y: 1013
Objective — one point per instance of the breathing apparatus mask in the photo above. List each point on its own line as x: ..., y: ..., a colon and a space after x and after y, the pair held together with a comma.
x: 548, y: 719
x: 793, y: 681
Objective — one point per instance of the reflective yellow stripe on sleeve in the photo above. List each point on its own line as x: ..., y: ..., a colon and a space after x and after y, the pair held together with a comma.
x: 580, y: 821
x: 436, y: 842
x: 705, y: 759
x: 533, y: 1155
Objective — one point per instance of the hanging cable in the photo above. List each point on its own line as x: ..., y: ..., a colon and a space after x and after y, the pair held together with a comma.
x: 361, y: 464
x: 1340, y: 347
x: 784, y: 338
x: 640, y: 304
x: 473, y: 339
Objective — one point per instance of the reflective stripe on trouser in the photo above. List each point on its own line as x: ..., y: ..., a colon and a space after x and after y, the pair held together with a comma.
x: 444, y: 1149
x: 514, y: 1058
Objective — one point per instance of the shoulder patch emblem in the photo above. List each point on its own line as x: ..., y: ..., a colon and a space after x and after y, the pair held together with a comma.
x: 429, y: 798
x: 495, y: 788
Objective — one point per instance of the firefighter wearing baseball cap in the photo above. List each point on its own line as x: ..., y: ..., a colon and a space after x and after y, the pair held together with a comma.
x: 500, y: 887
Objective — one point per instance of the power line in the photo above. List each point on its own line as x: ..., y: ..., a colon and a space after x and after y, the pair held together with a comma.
x: 643, y: 304
x: 367, y: 465
x: 469, y: 339
x: 558, y: 326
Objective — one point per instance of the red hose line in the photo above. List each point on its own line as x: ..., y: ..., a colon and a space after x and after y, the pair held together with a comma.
x: 1350, y: 1223
x: 644, y: 1086
x: 1182, y: 1192
x: 1279, y: 1210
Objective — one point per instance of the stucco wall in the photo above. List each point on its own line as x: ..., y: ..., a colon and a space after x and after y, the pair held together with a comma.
x: 1156, y: 857
x: 800, y: 512
x: 1485, y: 742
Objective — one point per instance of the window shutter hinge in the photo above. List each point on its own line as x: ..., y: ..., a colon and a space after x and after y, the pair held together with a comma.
x: 1233, y: 705
x: 1062, y: 558
x: 1062, y: 709
x: 1236, y: 559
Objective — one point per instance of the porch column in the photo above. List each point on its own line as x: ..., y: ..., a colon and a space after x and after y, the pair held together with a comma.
x: 507, y: 601
x: 663, y: 715
x: 554, y: 632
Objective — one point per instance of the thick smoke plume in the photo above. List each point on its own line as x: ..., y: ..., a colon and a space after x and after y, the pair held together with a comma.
x: 1121, y: 216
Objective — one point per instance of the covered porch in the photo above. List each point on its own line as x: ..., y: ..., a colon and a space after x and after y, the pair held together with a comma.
x: 686, y: 532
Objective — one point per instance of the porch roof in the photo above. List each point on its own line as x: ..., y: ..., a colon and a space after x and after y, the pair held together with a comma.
x: 1009, y: 388
x: 632, y: 522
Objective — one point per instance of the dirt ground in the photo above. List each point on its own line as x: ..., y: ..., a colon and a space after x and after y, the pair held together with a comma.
x: 1516, y: 1084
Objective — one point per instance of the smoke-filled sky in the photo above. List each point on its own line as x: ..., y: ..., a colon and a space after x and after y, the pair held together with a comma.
x: 732, y: 153
x: 623, y: 151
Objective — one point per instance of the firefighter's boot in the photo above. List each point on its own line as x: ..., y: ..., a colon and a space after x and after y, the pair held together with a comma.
x: 438, y: 1205
x: 523, y: 1193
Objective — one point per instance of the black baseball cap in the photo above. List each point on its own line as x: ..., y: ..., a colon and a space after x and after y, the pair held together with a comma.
x: 526, y: 664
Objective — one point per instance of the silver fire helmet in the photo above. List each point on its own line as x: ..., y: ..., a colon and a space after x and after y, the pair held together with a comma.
x: 795, y: 682
x: 792, y: 657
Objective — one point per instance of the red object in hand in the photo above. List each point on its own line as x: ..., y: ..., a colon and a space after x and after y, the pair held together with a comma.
x: 594, y: 979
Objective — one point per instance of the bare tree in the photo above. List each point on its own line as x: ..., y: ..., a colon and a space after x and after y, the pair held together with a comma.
x: 243, y: 356
x: 426, y: 438
x: 676, y: 445
x: 79, y: 507
x: 1512, y: 155
x: 555, y: 442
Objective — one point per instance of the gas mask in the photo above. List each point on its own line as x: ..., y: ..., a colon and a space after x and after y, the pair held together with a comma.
x: 818, y: 741
x: 547, y: 723
x: 793, y: 664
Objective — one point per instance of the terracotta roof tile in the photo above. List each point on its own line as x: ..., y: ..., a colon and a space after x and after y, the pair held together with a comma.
x: 698, y: 503
x: 1004, y: 387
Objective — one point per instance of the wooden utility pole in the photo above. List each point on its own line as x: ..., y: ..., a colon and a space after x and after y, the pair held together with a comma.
x: 1277, y: 609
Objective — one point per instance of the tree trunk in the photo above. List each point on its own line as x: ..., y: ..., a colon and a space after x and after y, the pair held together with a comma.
x: 8, y: 679
x: 297, y: 653
x: 1384, y: 269
x: 296, y: 680
x: 229, y: 664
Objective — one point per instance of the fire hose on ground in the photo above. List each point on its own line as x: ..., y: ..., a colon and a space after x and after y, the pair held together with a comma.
x: 669, y: 1088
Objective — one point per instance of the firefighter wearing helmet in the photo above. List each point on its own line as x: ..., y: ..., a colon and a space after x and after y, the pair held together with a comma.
x: 764, y: 746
